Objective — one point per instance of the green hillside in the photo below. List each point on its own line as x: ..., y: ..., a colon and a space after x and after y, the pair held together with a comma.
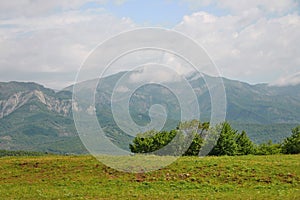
x: 83, y: 177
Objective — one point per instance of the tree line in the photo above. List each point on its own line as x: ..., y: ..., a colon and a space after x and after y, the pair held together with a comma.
x: 202, y: 139
x: 4, y: 153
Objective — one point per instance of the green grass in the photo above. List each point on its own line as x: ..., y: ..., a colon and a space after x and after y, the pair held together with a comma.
x: 83, y: 177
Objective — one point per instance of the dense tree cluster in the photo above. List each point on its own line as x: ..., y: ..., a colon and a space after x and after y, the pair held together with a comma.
x: 186, y: 139
x: 231, y: 143
x: 291, y: 145
x: 219, y: 140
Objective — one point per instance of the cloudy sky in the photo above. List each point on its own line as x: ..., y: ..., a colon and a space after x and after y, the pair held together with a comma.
x: 255, y: 41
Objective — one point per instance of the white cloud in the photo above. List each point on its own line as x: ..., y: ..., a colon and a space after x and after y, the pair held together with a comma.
x: 153, y: 73
x: 249, y: 46
x: 122, y: 89
x: 50, y: 49
x: 279, y: 7
x: 46, y: 41
x: 34, y: 8
x: 290, y: 80
x: 241, y: 6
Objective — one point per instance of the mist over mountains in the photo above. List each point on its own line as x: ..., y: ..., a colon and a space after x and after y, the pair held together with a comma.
x: 33, y: 117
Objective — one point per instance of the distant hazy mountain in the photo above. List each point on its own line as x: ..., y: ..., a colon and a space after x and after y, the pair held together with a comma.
x: 36, y: 118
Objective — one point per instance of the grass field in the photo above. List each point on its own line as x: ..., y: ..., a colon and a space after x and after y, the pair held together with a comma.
x: 83, y: 177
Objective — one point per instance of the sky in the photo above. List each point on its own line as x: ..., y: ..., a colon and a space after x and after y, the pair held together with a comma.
x: 46, y: 42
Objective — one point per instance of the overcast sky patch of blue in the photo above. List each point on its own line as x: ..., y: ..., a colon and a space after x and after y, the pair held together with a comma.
x: 8, y: 26
x: 164, y: 13
x: 152, y: 13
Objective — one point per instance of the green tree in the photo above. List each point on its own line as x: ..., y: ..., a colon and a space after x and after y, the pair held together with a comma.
x: 194, y: 126
x: 226, y: 144
x: 151, y: 141
x: 245, y: 145
x: 268, y: 148
x: 185, y: 140
x: 194, y: 132
x: 291, y: 145
x: 195, y: 146
x: 143, y: 142
x: 210, y: 139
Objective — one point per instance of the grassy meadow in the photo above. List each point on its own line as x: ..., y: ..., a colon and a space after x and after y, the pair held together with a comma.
x: 83, y: 177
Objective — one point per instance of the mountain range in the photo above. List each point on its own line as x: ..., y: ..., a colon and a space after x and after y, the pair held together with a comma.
x: 36, y: 118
